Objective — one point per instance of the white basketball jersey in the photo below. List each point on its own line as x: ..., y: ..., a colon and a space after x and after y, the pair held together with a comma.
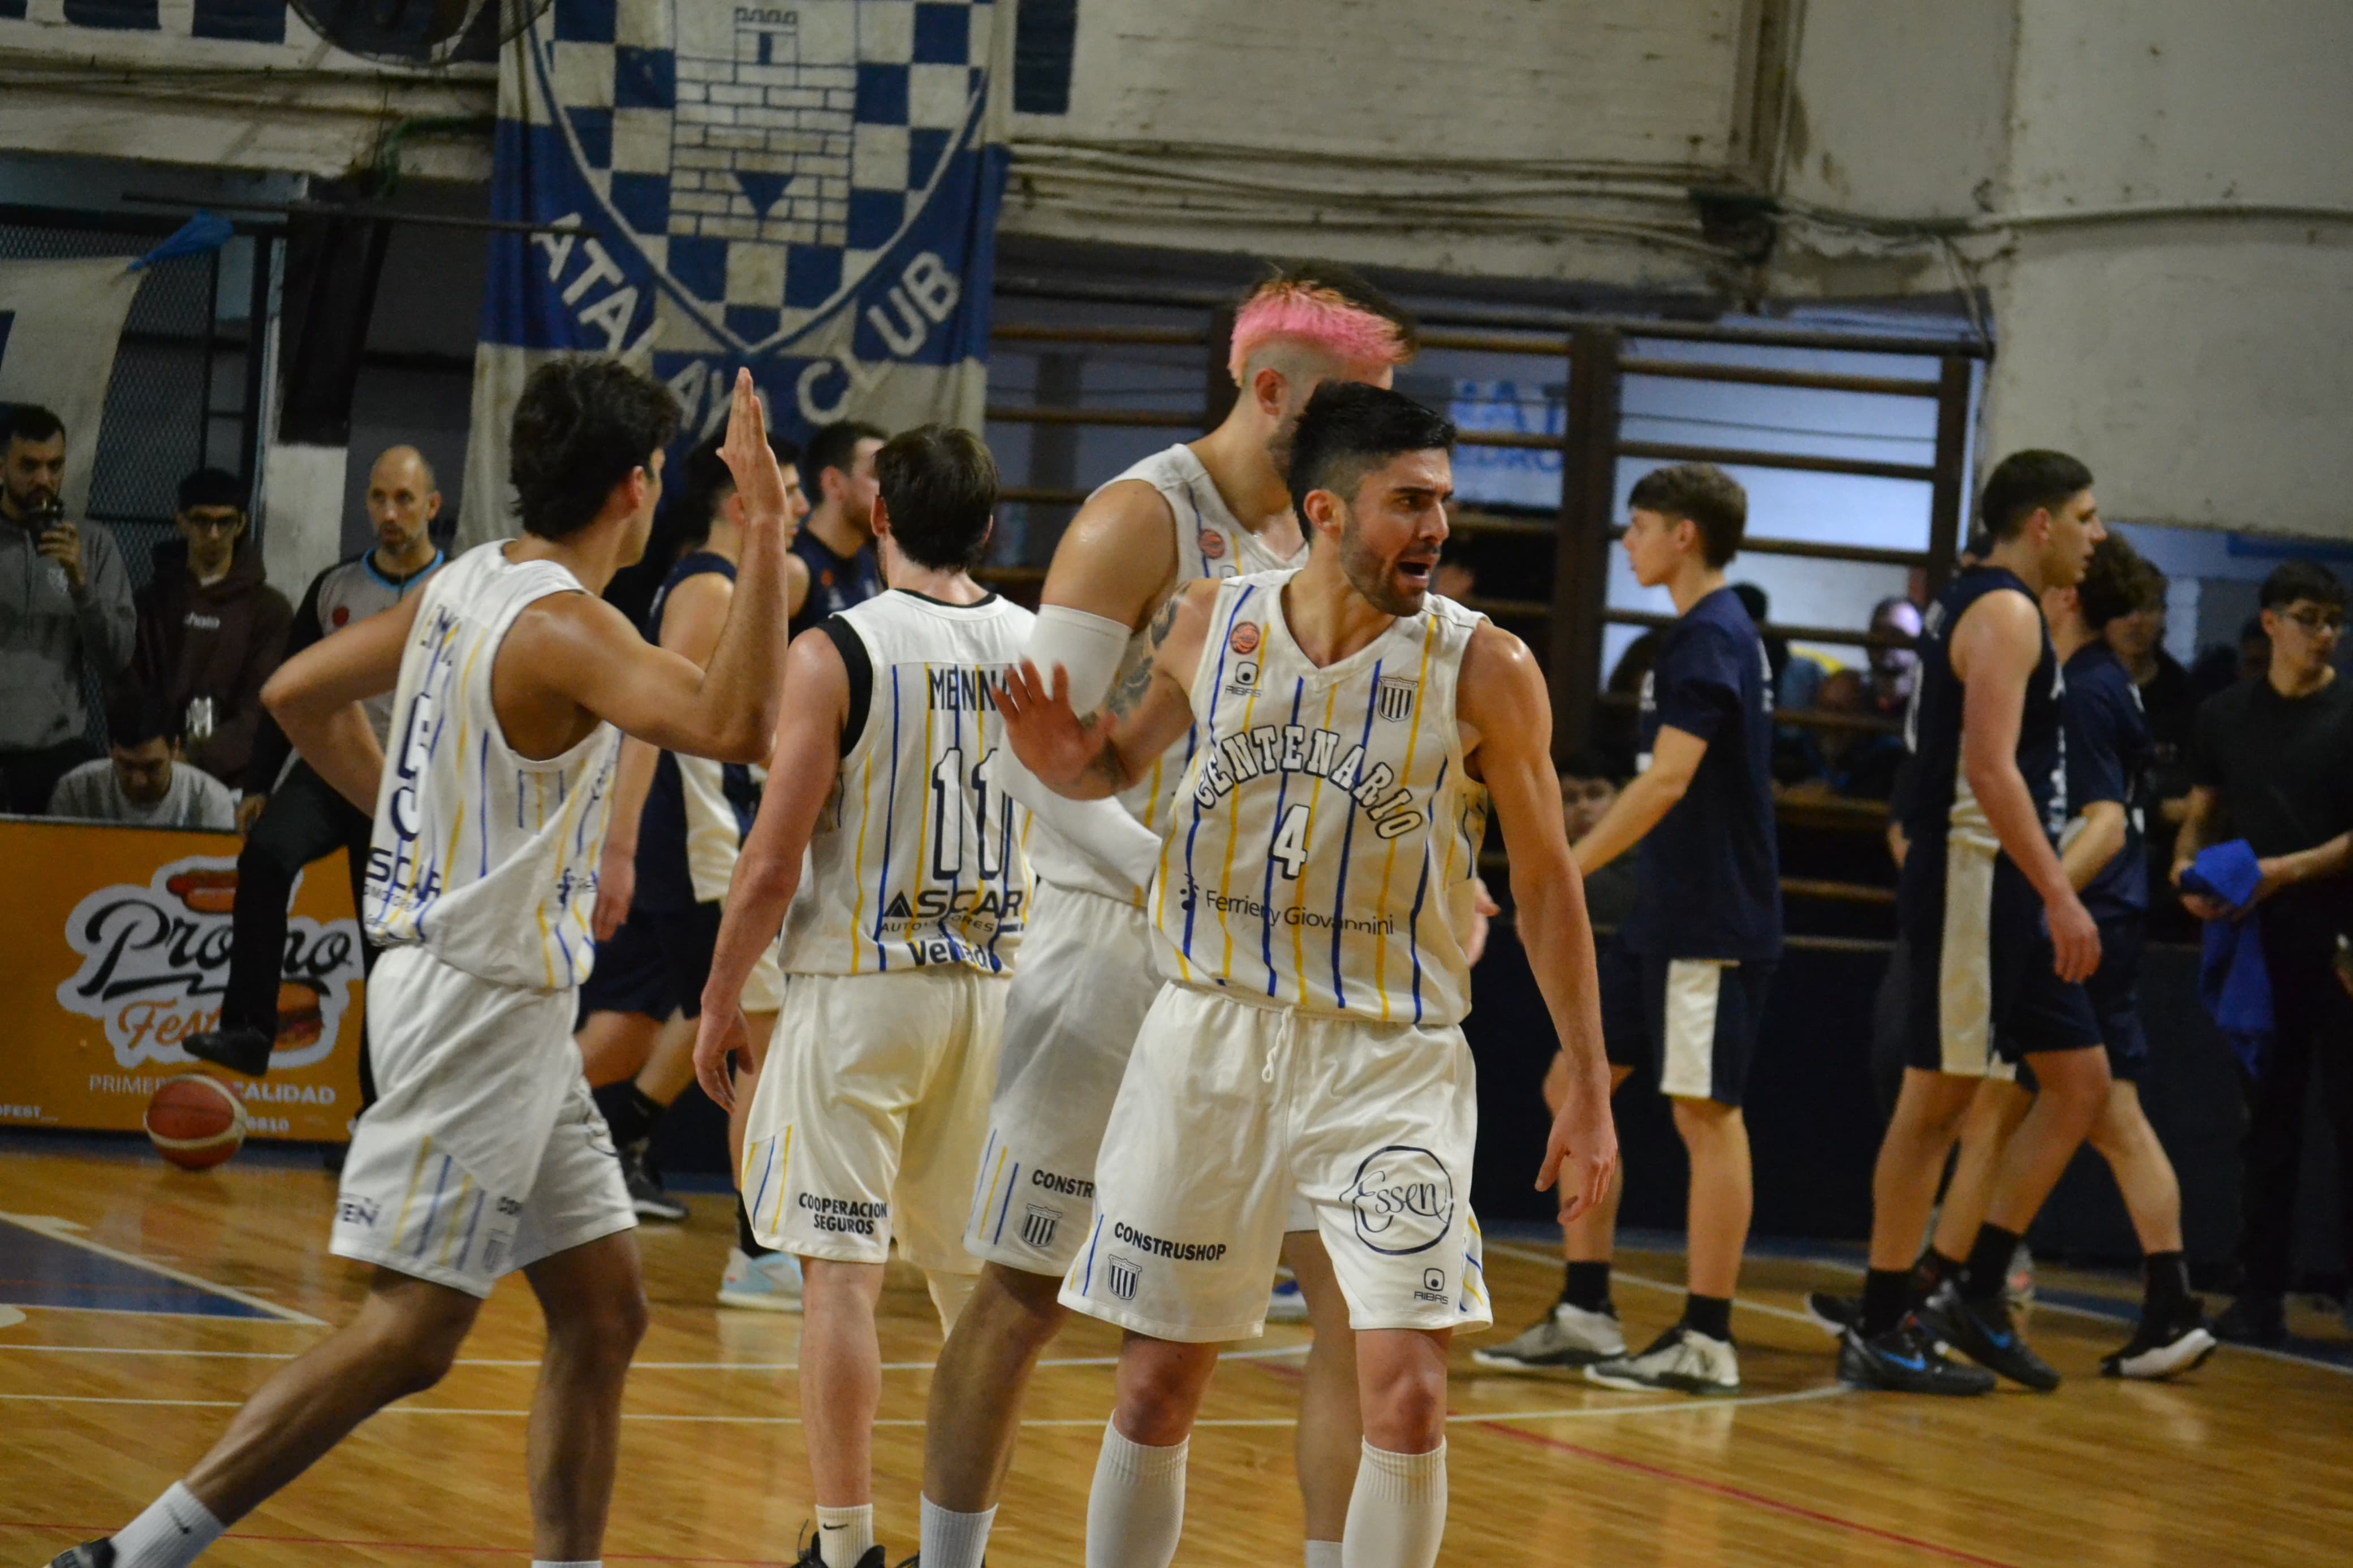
x: 1322, y: 843
x: 916, y: 860
x: 485, y: 859
x: 1211, y: 542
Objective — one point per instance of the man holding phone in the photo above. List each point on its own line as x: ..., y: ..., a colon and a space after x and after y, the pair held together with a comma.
x: 64, y: 607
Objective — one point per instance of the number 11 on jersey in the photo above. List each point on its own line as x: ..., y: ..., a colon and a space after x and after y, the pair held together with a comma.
x: 948, y: 778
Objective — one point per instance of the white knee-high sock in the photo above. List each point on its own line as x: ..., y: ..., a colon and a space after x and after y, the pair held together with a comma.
x: 1137, y: 1507
x: 170, y: 1534
x: 1397, y: 1514
x: 952, y: 1539
x: 1322, y: 1554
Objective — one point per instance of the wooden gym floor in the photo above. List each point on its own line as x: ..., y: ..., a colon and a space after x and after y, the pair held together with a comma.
x: 153, y: 1301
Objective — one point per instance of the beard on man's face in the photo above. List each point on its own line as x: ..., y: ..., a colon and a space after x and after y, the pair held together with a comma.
x: 1379, y: 581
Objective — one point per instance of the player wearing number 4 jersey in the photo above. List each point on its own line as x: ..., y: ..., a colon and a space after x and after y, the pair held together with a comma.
x: 1212, y: 508
x: 1310, y: 913
x: 484, y: 1154
x: 867, y: 1120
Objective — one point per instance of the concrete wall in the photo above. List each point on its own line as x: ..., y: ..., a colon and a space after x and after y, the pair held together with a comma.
x: 2196, y: 360
x: 2157, y: 197
x: 1496, y: 137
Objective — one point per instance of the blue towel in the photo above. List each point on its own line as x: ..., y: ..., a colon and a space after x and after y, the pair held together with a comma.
x: 2232, y: 978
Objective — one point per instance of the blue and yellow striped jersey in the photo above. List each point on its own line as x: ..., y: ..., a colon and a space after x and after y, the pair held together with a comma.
x: 1321, y: 846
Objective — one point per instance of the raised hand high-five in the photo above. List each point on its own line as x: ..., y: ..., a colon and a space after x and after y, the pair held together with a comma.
x: 759, y: 479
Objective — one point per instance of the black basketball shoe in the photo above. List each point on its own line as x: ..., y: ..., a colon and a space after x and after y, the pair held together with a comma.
x: 2163, y: 1346
x: 1833, y: 1313
x: 1983, y: 1330
x: 239, y: 1047
x: 1904, y: 1360
x: 89, y: 1554
x: 648, y: 1196
x: 810, y: 1557
x: 2254, y: 1319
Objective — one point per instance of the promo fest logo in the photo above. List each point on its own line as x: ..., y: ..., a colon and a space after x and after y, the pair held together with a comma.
x: 155, y: 966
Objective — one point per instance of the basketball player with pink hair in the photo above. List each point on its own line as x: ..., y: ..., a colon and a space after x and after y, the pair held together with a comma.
x: 1216, y: 507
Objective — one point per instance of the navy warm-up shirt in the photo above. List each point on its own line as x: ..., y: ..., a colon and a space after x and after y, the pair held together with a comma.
x: 1709, y: 879
x: 2109, y: 749
x: 1936, y: 799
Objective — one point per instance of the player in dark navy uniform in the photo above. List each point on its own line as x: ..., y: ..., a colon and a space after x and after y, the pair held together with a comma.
x: 834, y: 564
x: 2110, y: 751
x: 1998, y: 941
x: 1686, y: 982
x: 678, y: 825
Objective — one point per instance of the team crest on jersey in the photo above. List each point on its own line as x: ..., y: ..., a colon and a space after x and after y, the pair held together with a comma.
x: 1244, y: 638
x: 1122, y: 1274
x: 1213, y: 545
x: 1038, y: 1227
x: 1395, y: 698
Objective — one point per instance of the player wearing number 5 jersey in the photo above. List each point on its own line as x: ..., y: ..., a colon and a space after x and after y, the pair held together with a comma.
x: 1310, y: 911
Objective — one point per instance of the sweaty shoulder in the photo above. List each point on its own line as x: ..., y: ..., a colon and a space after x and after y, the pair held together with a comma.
x: 1118, y: 556
x: 1500, y: 688
x: 2002, y: 621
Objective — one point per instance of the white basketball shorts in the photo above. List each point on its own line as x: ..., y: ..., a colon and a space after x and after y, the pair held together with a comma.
x: 1226, y: 1112
x: 870, y: 1114
x: 1086, y: 979
x: 484, y: 1152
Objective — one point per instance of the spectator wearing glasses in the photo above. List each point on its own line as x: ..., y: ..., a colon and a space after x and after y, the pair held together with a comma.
x: 2271, y: 762
x: 65, y: 609
x: 210, y: 628
x: 141, y: 782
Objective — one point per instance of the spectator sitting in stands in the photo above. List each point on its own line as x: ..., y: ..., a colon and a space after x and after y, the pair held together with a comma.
x: 1616, y: 724
x: 210, y: 628
x: 1893, y: 667
x: 1759, y: 605
x: 143, y: 781
x: 67, y: 601
x: 1586, y: 792
x: 2221, y: 666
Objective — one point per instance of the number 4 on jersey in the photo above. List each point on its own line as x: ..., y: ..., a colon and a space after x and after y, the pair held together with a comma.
x: 1290, y: 846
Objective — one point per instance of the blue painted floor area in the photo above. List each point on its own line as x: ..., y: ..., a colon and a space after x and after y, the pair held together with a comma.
x: 39, y: 1270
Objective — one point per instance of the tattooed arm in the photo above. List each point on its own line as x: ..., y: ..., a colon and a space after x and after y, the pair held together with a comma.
x: 1103, y: 753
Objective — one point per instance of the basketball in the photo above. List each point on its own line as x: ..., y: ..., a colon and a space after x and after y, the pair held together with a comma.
x: 195, y: 1121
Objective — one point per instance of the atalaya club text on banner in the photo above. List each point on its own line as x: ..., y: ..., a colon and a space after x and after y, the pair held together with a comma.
x: 808, y: 188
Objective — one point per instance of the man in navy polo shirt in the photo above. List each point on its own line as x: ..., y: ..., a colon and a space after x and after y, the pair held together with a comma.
x: 1686, y: 979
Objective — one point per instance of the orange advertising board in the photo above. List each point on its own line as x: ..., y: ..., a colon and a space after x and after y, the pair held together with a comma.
x: 117, y: 947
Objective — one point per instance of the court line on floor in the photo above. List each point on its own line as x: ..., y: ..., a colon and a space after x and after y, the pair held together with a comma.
x: 1754, y: 1499
x: 1531, y: 1255
x: 1474, y: 1417
x: 2049, y: 1300
x: 87, y: 1531
x: 1271, y: 1353
x: 65, y: 1230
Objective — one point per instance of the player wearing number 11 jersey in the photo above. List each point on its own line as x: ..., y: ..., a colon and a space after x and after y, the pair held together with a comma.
x: 1309, y: 912
x: 872, y: 1103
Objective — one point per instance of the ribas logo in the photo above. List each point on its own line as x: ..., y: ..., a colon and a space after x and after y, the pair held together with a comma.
x: 155, y: 965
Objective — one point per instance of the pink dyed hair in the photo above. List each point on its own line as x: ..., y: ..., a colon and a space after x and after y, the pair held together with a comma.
x: 1317, y: 316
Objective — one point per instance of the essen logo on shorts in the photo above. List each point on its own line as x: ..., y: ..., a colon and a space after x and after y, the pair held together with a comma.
x: 1404, y: 1200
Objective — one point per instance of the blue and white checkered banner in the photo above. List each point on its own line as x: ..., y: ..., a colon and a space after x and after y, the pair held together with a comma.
x: 807, y: 187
